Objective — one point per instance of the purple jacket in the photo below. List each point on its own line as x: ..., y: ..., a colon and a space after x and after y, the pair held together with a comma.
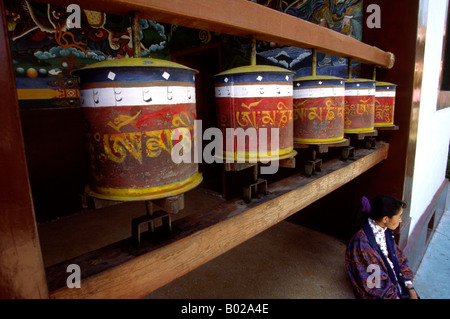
x: 363, y: 251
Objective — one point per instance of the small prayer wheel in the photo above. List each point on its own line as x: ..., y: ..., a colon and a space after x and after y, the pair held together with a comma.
x: 359, y: 105
x: 253, y: 98
x: 318, y: 109
x: 384, y: 104
x: 131, y: 109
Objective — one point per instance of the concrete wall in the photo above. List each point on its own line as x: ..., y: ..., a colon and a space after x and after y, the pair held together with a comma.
x: 434, y: 126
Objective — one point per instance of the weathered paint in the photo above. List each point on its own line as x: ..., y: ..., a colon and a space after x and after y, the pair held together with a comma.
x: 256, y: 97
x: 131, y: 108
x: 384, y: 104
x: 318, y: 109
x: 359, y: 106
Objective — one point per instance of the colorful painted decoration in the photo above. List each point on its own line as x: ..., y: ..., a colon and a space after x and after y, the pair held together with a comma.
x: 384, y: 104
x: 318, y: 109
x: 359, y: 106
x: 256, y: 99
x: 138, y: 112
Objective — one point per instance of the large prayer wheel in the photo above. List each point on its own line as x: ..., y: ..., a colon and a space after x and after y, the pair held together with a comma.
x: 359, y: 106
x: 318, y: 109
x: 136, y: 112
x: 384, y: 104
x: 257, y: 100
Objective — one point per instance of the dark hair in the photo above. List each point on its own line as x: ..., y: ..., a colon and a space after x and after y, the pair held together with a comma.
x: 379, y: 207
x: 383, y: 205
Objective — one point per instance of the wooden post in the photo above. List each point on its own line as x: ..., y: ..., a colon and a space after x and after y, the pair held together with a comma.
x: 22, y: 273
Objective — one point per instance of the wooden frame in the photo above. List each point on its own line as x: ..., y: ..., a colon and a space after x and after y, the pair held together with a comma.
x: 253, y: 20
x: 21, y: 267
x: 23, y: 274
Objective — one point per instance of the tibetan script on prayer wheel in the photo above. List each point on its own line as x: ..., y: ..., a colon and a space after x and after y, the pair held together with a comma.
x: 318, y: 109
x: 384, y: 104
x: 359, y: 106
x: 256, y: 100
x: 132, y: 109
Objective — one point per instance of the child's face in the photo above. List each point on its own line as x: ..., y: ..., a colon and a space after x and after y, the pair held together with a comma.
x: 392, y: 223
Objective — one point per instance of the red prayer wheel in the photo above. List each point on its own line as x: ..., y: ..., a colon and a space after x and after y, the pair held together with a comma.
x: 131, y: 108
x: 359, y: 106
x: 384, y: 104
x: 318, y: 109
x: 253, y: 98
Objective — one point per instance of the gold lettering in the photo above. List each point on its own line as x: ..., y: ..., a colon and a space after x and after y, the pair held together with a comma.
x: 181, y: 119
x: 122, y: 120
x: 313, y: 114
x: 250, y: 105
x: 123, y: 142
x: 245, y: 119
x: 330, y: 113
x: 157, y: 141
x: 267, y: 118
x: 116, y: 147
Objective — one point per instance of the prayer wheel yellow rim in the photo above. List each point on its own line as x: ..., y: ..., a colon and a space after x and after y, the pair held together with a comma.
x: 256, y: 156
x: 136, y: 194
x: 316, y: 140
x: 359, y: 130
x: 384, y: 124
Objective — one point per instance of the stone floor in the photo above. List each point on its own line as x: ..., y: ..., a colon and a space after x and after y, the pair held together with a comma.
x: 287, y: 261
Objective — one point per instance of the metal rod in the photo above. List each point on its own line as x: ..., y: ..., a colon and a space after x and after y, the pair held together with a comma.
x: 314, y: 62
x: 136, y: 35
x: 255, y: 173
x: 350, y: 68
x: 253, y: 51
x: 374, y: 72
x: 149, y: 210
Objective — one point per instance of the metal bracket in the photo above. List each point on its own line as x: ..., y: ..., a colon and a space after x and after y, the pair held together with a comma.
x: 150, y: 221
x: 312, y: 166
x: 315, y: 164
x: 347, y: 152
x: 370, y: 142
x: 258, y: 187
x: 169, y: 205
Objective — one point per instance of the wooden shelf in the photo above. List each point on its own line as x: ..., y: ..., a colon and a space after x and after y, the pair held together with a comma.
x: 243, y: 18
x: 121, y: 270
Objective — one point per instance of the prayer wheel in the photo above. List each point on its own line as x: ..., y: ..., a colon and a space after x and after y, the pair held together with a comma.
x: 137, y: 111
x: 359, y: 106
x: 258, y: 100
x: 384, y: 104
x: 318, y: 109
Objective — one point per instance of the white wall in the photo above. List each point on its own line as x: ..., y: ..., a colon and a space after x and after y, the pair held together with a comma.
x: 434, y: 126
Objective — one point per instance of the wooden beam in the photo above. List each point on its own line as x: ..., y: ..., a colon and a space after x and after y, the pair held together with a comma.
x: 123, y: 271
x: 243, y: 18
x: 21, y: 267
